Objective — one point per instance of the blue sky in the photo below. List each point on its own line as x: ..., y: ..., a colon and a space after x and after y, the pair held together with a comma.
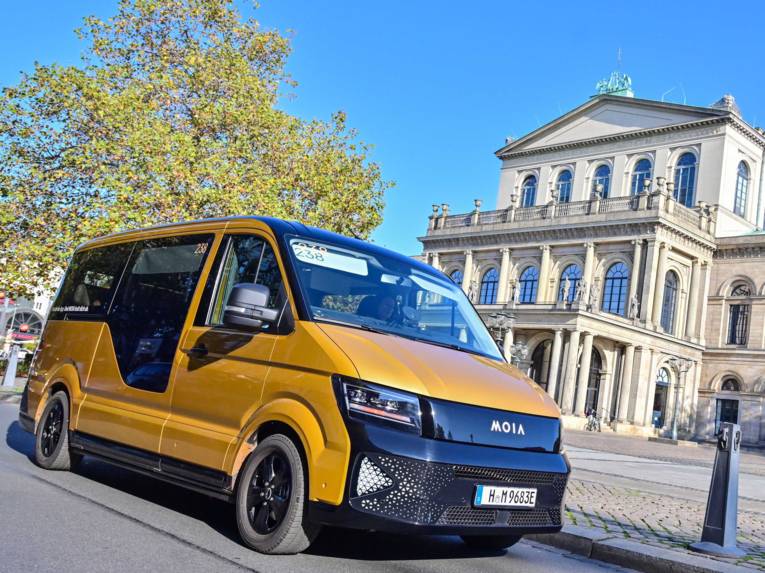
x: 437, y: 86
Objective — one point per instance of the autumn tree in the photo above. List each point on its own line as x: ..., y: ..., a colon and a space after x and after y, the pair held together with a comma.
x: 172, y: 115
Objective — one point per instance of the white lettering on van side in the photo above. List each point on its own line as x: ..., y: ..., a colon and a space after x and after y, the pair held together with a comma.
x: 508, y: 427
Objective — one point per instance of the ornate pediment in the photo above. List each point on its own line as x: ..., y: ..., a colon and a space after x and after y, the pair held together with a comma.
x: 607, y: 116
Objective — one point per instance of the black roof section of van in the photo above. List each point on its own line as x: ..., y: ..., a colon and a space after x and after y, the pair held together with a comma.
x: 280, y: 227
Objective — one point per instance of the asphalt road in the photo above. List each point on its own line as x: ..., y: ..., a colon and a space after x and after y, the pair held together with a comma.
x: 107, y: 519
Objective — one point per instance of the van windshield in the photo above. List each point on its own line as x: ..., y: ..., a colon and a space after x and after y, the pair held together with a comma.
x: 368, y: 290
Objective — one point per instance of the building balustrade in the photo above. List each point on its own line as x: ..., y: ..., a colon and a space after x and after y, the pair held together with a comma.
x: 701, y: 217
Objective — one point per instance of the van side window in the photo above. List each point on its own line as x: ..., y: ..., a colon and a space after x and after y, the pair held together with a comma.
x: 151, y: 304
x: 245, y: 259
x: 88, y: 287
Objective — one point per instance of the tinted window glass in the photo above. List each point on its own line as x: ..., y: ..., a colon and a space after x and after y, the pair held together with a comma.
x: 150, y: 307
x: 89, y: 284
x: 246, y: 259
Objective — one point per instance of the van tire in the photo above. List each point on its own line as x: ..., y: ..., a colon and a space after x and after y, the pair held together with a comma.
x: 491, y: 542
x: 52, y: 434
x: 292, y: 533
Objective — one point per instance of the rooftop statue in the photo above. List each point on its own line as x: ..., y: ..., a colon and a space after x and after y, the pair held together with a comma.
x: 617, y: 84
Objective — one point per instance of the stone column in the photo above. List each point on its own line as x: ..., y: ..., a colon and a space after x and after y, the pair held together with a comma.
x: 434, y: 262
x: 650, y: 391
x: 652, y: 261
x: 635, y: 272
x: 468, y: 271
x: 504, y: 275
x: 584, y: 373
x: 693, y: 300
x: 544, y: 274
x: 589, y: 267
x: 658, y: 289
x: 625, y: 386
x: 552, y: 379
x: 706, y: 273
x: 604, y: 396
x: 507, y: 344
x: 569, y: 384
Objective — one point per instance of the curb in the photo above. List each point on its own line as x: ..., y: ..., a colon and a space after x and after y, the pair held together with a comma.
x: 9, y: 398
x: 595, y: 544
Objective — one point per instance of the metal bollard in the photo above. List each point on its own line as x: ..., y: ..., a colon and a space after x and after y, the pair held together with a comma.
x: 719, y: 534
x: 9, y: 380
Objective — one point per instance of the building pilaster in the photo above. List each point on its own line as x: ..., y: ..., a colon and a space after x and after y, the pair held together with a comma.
x: 693, y: 300
x: 658, y: 280
x: 589, y: 267
x: 544, y: 275
x: 706, y: 274
x: 637, y: 248
x: 652, y: 261
x: 504, y: 276
x: 468, y: 271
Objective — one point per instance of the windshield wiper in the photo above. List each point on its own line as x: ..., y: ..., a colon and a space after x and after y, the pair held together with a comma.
x: 359, y: 325
x: 444, y: 344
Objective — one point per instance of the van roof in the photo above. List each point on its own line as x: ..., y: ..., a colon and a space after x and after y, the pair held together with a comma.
x: 279, y: 227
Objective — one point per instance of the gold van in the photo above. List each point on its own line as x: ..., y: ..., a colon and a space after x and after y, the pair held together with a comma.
x: 309, y: 378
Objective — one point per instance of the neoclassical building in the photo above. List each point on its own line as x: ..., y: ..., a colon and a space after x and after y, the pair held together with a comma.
x: 625, y: 256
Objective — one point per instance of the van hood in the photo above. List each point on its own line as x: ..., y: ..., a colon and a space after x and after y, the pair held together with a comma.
x: 439, y: 372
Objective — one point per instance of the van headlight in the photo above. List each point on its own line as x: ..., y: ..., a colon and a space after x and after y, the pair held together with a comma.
x: 367, y: 401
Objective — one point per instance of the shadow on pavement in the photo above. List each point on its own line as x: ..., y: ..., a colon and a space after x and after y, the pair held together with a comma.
x: 352, y: 544
x: 20, y: 440
x: 219, y: 515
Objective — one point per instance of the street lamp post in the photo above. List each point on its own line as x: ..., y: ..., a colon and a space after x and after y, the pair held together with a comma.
x: 681, y: 366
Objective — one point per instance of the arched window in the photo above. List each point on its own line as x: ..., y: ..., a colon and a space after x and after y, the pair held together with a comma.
x: 640, y: 173
x: 563, y: 186
x: 615, y: 288
x: 489, y: 284
x: 738, y: 315
x: 740, y: 289
x: 529, y: 191
x: 602, y: 177
x: 742, y: 187
x: 528, y: 285
x: 730, y: 385
x: 456, y: 276
x: 573, y: 274
x: 669, y: 303
x: 685, y: 179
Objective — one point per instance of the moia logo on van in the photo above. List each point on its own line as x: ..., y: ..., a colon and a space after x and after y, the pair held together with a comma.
x: 507, y: 428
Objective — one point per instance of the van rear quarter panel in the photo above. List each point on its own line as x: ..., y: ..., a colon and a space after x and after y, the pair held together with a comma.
x: 298, y: 392
x: 66, y: 355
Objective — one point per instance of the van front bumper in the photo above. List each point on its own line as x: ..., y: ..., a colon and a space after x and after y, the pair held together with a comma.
x: 401, y: 482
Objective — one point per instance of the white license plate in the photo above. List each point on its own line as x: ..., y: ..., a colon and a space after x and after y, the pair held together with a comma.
x: 498, y: 496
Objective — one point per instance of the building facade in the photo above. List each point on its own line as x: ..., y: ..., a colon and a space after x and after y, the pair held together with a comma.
x: 625, y: 256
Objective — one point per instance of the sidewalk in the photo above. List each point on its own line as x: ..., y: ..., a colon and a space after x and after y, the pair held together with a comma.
x: 640, y: 504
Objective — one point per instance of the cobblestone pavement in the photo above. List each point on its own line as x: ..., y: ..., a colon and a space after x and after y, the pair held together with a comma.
x: 666, y: 514
x: 658, y: 520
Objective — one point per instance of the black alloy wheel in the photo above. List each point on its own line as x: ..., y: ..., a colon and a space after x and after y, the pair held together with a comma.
x: 52, y: 435
x: 51, y: 429
x: 270, y: 492
x: 271, y: 498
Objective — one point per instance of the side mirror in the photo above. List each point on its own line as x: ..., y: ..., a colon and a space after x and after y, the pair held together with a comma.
x: 247, y: 307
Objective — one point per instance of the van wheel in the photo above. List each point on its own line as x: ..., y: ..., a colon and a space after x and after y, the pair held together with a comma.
x: 270, y: 499
x: 52, y: 435
x: 491, y: 542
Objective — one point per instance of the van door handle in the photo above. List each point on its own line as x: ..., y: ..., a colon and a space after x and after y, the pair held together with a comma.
x: 197, y: 351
